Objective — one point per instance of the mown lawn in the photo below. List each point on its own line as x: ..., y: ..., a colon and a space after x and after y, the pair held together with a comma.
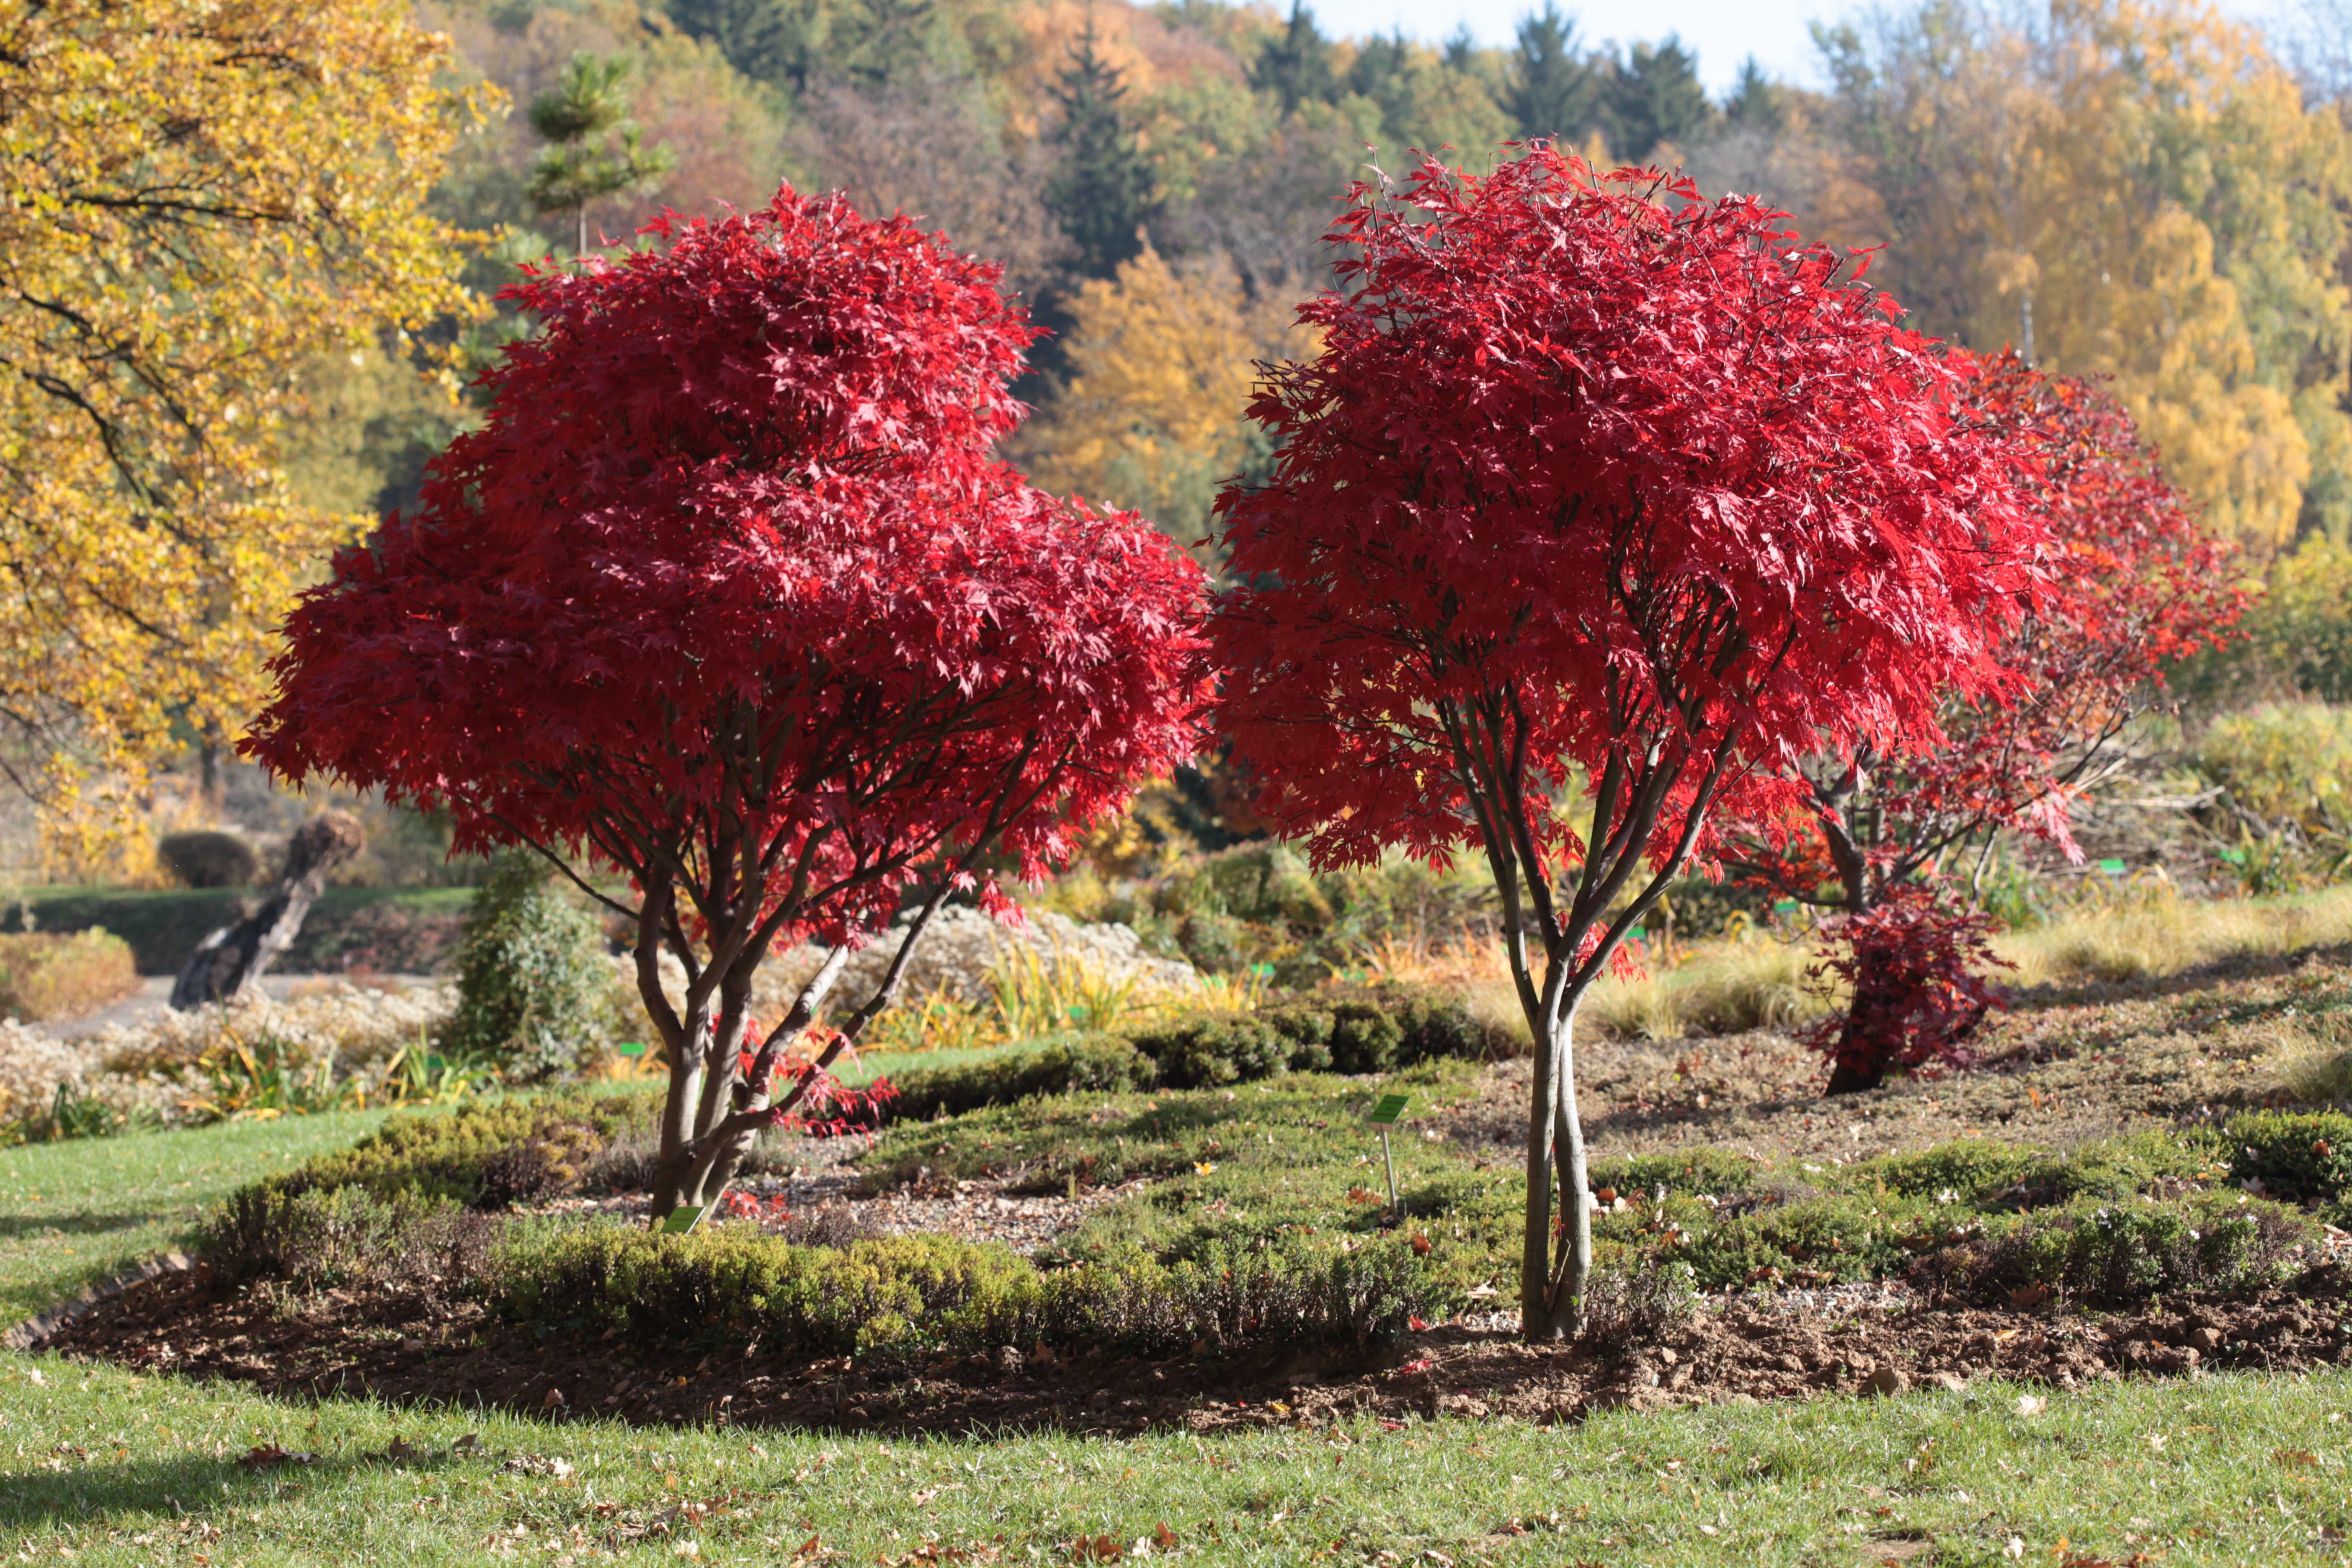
x: 107, y: 1466
x: 74, y: 1212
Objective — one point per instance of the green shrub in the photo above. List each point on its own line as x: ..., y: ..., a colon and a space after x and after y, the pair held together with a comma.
x: 922, y: 1294
x: 480, y: 1156
x: 1834, y: 1236
x: 2128, y: 1252
x: 345, y: 1236
x: 2300, y: 1157
x: 47, y: 975
x: 207, y: 859
x: 1077, y: 1063
x: 1970, y: 1168
x: 1348, y: 1029
x: 2285, y: 761
x: 534, y: 987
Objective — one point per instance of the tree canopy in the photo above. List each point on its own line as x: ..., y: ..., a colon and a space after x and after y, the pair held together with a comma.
x: 200, y: 200
x: 1599, y: 502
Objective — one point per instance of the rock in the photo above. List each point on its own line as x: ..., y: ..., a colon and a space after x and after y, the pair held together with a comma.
x: 2208, y: 1340
x: 1886, y: 1381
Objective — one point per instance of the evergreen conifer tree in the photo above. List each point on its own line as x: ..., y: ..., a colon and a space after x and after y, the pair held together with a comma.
x: 1553, y: 91
x: 581, y: 117
x: 1297, y: 66
x: 1652, y: 95
x: 1101, y: 195
x: 1757, y: 102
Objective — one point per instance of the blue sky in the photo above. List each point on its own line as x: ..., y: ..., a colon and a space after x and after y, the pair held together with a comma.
x: 1723, y: 32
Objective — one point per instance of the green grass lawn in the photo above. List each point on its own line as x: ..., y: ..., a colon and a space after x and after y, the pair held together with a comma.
x: 105, y: 1466
x: 114, y: 1468
x: 71, y: 1212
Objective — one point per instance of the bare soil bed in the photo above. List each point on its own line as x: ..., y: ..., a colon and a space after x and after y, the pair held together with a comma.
x: 410, y: 1350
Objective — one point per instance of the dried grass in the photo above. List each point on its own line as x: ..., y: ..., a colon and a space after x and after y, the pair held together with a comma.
x: 2151, y: 931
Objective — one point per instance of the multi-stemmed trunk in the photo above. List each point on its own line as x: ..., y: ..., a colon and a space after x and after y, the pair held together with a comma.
x: 716, y: 1107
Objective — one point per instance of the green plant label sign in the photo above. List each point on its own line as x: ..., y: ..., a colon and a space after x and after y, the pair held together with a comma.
x: 2112, y: 868
x: 1391, y: 1107
x: 435, y: 1064
x: 680, y: 1221
x: 631, y: 1047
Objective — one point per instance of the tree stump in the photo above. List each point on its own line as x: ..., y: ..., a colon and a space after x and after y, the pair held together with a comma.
x: 227, y: 963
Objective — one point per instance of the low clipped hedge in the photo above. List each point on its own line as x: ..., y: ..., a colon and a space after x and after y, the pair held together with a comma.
x: 1351, y: 1029
x: 326, y: 1237
x: 915, y: 1295
x: 482, y: 1155
x: 2301, y: 1158
x: 1075, y: 1064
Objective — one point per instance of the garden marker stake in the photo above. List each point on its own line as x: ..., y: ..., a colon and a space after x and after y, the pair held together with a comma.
x: 1384, y: 1116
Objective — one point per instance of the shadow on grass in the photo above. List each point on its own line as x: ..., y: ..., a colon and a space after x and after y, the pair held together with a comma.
x: 18, y: 1227
x: 189, y: 1485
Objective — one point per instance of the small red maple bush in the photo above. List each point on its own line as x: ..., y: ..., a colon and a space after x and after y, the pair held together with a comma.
x: 1600, y: 503
x: 727, y: 594
x: 1914, y: 966
x: 2134, y: 585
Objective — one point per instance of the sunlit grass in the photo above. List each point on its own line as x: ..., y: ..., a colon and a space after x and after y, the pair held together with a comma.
x: 113, y: 1467
x: 2153, y: 931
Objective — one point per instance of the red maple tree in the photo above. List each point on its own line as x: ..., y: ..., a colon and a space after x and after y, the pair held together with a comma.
x: 1601, y: 501
x: 2134, y: 585
x: 727, y: 594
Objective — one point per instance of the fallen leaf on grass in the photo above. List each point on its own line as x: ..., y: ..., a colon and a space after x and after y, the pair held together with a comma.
x: 1163, y: 1536
x: 401, y: 1450
x: 466, y: 1444
x: 2295, y: 1458
x: 2031, y: 1405
x: 1101, y: 1549
x: 269, y: 1455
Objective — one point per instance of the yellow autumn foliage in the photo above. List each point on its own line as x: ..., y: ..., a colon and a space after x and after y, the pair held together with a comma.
x: 198, y: 199
x: 2137, y: 188
x: 1152, y: 415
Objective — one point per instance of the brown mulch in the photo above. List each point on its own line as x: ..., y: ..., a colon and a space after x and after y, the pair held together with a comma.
x: 412, y: 1350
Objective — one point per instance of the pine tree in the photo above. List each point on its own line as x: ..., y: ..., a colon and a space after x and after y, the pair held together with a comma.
x: 1552, y: 93
x: 1297, y: 66
x: 1757, y: 102
x: 759, y: 37
x: 579, y: 117
x: 1652, y: 95
x: 1101, y: 195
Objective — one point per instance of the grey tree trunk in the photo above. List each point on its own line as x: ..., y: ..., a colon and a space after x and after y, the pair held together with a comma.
x: 226, y: 964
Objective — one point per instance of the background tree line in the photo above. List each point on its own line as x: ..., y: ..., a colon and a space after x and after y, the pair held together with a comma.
x: 2137, y: 189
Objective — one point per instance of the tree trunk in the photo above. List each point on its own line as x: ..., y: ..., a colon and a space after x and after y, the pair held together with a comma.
x: 226, y: 964
x: 1861, y: 1062
x: 1552, y: 1289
